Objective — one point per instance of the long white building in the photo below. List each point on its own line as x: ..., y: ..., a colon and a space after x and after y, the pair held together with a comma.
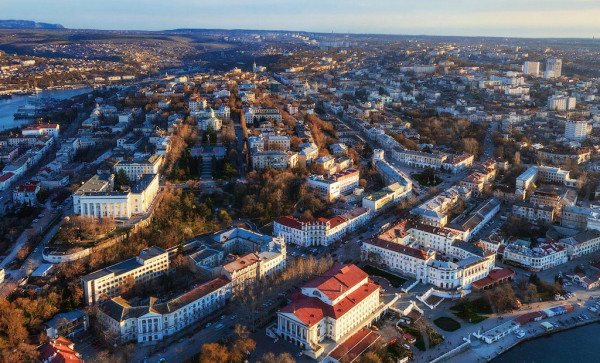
x: 135, y: 168
x: 153, y: 322
x: 105, y: 283
x: 322, y: 231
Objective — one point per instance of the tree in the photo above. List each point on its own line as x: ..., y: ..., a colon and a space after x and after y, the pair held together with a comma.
x: 213, y: 352
x: 224, y: 217
x: 371, y: 357
x: 121, y: 179
x: 470, y: 145
x: 281, y: 358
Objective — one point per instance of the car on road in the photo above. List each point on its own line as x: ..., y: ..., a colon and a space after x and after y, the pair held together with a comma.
x: 219, y: 327
x: 36, y: 220
x: 233, y: 317
x: 208, y: 325
x: 223, y: 317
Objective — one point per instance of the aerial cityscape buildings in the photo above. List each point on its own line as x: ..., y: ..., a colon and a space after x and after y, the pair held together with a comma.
x: 277, y: 196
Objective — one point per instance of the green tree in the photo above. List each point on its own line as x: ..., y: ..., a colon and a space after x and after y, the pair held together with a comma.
x: 121, y: 179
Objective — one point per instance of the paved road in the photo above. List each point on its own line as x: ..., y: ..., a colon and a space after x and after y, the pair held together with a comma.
x: 35, y: 258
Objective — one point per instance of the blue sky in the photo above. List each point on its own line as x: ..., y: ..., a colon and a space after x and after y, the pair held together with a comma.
x: 527, y: 18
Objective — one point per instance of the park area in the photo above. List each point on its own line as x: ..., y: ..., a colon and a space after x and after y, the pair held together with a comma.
x: 472, y: 311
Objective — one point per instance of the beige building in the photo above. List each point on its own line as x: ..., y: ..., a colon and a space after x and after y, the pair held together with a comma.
x: 277, y: 159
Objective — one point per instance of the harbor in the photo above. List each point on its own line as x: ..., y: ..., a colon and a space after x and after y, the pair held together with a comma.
x: 22, y: 109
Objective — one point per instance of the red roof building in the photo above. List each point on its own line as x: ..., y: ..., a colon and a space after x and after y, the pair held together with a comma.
x: 494, y: 278
x: 59, y: 350
x: 329, y: 306
x: 353, y: 347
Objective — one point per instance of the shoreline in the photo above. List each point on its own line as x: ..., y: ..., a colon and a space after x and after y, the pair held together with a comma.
x: 595, y: 319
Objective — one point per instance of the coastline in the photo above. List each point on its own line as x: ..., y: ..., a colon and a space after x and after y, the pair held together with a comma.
x: 561, y: 329
x: 478, y: 351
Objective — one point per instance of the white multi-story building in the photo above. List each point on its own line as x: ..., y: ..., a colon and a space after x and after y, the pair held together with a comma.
x: 583, y: 243
x: 553, y: 68
x: 383, y: 197
x: 322, y: 231
x: 153, y: 322
x: 253, y: 266
x: 94, y: 198
x: 149, y: 264
x: 561, y: 103
x: 531, y: 68
x: 277, y: 159
x: 274, y: 142
x: 418, y: 158
x: 576, y: 130
x: 334, y: 186
x: 262, y: 113
x: 547, y: 174
x: 41, y: 129
x: 135, y: 168
x: 329, y: 307
x: 472, y: 265
x: 433, y: 211
x: 538, y: 214
x: 540, y: 258
x: 308, y: 153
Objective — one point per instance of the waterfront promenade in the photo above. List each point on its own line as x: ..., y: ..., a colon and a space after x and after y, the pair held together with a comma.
x: 479, y: 351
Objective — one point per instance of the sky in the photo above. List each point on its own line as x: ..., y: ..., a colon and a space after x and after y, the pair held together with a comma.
x: 511, y: 18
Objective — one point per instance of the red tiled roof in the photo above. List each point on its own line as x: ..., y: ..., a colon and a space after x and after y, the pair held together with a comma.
x: 200, y: 291
x: 353, y: 347
x: 5, y: 177
x: 493, y: 277
x: 311, y: 310
x: 28, y: 187
x: 337, y: 280
x: 59, y: 351
x: 336, y: 221
x: 241, y: 262
x: 526, y: 318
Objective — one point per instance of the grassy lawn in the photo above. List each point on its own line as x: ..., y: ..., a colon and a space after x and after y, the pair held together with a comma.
x: 396, y: 281
x: 427, y: 180
x: 447, y: 324
x: 472, y: 311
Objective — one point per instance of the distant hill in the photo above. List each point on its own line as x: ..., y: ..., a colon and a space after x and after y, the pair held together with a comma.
x: 27, y: 24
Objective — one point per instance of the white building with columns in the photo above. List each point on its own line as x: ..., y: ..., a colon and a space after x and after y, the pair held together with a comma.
x: 95, y: 198
x: 154, y: 321
x: 329, y: 307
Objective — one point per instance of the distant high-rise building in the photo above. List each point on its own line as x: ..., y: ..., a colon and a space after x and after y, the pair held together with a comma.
x: 561, y: 103
x: 553, y: 68
x: 531, y: 68
x: 576, y: 130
